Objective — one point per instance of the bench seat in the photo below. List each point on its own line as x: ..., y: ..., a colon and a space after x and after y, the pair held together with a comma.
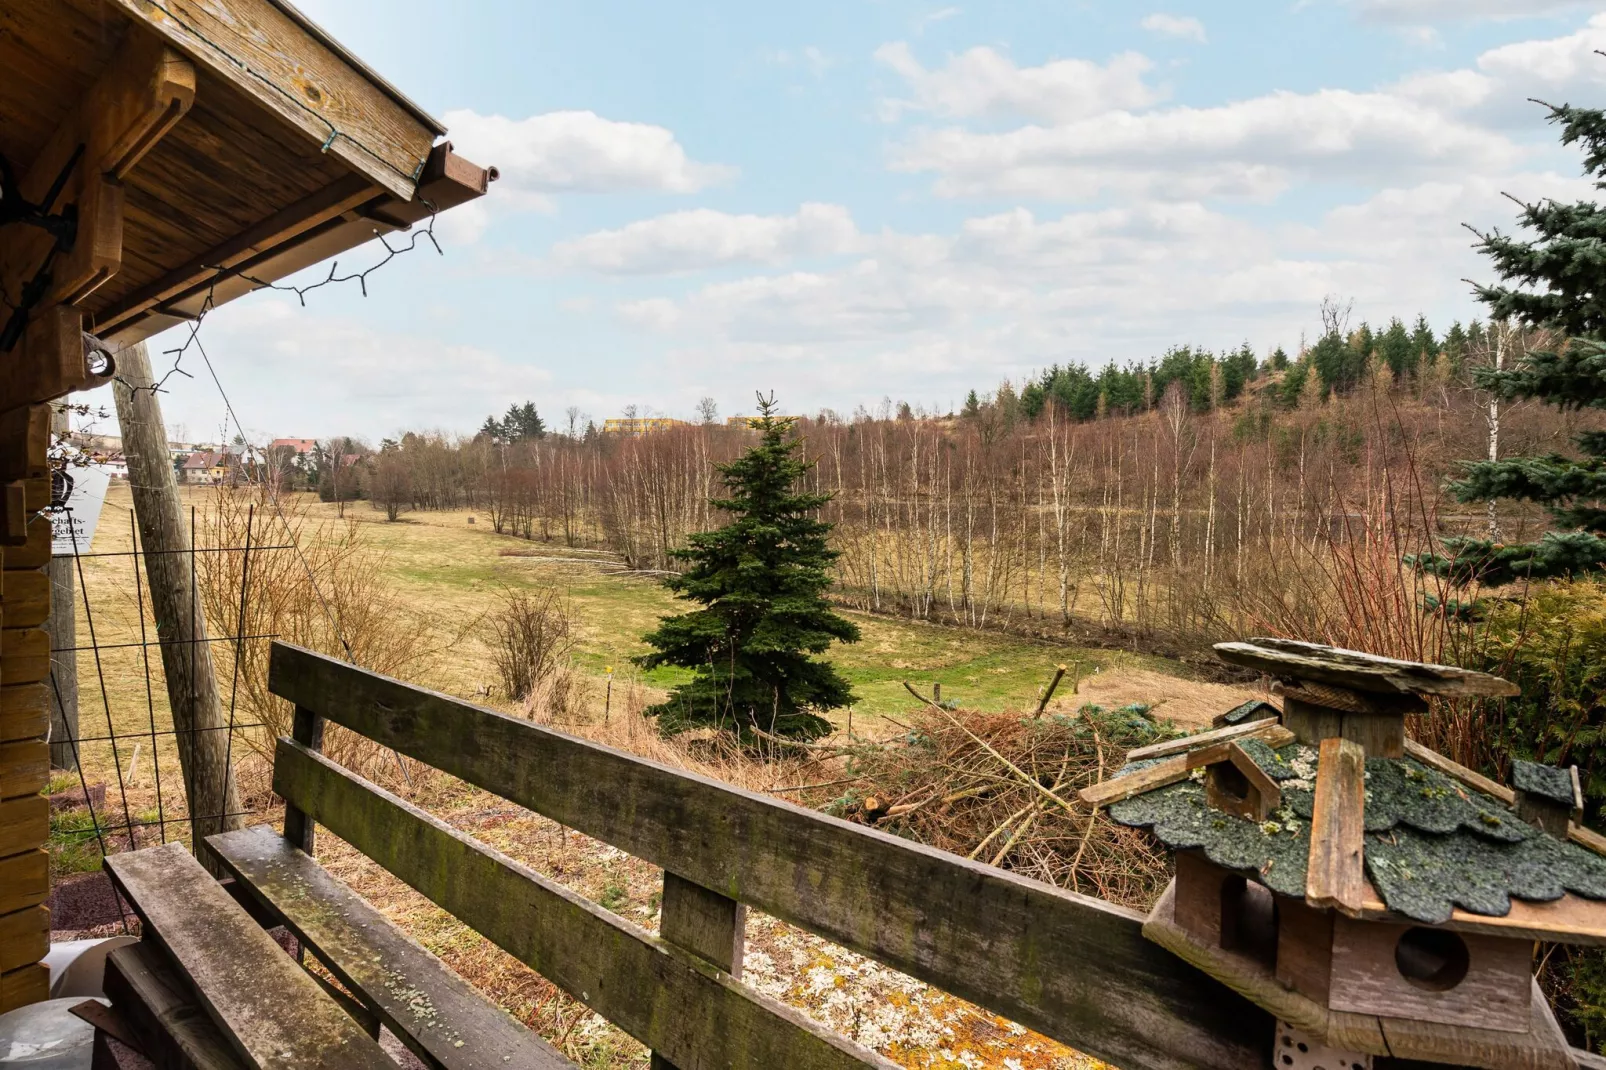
x: 159, y: 1007
x: 434, y: 1011
x: 268, y: 1007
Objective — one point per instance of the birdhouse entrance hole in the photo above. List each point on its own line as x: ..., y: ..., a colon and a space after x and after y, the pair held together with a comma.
x: 1432, y: 958
x: 1249, y: 920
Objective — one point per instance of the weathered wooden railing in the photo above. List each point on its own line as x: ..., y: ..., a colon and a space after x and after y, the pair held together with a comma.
x: 1073, y: 968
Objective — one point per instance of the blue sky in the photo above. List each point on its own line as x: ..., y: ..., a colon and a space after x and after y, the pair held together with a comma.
x: 850, y: 201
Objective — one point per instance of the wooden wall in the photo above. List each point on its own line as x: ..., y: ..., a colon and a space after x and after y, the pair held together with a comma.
x: 24, y: 717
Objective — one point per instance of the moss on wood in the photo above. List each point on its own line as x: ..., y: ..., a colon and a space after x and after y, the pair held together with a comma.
x: 1432, y: 844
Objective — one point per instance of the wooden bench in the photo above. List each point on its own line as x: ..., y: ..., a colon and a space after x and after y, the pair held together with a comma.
x: 1071, y: 967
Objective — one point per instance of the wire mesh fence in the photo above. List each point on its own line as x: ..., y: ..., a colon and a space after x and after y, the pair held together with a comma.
x: 124, y: 786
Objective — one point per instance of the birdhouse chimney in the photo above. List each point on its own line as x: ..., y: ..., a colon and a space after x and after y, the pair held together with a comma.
x: 1330, y: 692
x: 1546, y: 797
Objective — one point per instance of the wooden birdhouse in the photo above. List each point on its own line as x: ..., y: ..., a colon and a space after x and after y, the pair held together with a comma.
x: 1376, y: 898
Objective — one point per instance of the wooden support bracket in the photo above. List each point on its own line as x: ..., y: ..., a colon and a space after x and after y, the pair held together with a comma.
x: 146, y: 88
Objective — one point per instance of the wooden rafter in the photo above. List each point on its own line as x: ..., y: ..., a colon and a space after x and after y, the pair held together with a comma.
x: 145, y: 90
x: 274, y: 55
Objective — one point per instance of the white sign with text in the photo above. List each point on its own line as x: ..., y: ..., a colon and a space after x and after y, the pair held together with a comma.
x: 77, y: 494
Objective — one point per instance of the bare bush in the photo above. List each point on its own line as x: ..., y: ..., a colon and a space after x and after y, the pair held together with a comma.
x: 532, y: 638
x: 326, y: 593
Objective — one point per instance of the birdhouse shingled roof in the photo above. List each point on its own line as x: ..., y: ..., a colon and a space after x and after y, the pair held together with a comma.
x: 1432, y: 843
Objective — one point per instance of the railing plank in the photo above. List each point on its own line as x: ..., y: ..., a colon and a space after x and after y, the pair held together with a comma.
x: 666, y: 998
x: 709, y: 925
x: 1070, y: 966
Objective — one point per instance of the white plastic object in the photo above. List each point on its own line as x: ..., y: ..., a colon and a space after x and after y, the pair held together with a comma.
x: 46, y: 1036
x: 1296, y: 1051
x: 78, y: 967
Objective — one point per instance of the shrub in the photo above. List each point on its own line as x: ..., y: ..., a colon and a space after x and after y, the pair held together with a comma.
x: 532, y: 638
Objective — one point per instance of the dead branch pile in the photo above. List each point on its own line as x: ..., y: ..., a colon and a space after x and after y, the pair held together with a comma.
x: 1001, y: 789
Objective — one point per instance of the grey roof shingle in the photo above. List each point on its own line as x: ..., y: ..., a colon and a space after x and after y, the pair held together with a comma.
x: 1432, y: 844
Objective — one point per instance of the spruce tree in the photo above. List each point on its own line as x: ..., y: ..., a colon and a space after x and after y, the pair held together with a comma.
x: 1553, y: 278
x: 760, y: 581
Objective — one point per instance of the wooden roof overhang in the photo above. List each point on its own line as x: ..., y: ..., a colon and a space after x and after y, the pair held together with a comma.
x: 202, y: 148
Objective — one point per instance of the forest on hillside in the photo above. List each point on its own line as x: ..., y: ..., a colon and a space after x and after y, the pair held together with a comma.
x: 1167, y: 504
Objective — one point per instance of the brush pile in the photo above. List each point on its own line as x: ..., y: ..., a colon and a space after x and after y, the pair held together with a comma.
x: 1001, y: 789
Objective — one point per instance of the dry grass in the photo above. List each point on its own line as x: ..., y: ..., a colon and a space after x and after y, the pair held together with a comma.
x: 1190, y: 703
x: 431, y: 579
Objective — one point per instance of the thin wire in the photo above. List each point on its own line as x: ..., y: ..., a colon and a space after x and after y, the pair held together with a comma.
x: 89, y: 801
x: 163, y: 642
x: 361, y: 277
x: 272, y: 491
x: 178, y: 731
x: 202, y: 550
x: 145, y: 657
x: 89, y: 617
x: 239, y: 647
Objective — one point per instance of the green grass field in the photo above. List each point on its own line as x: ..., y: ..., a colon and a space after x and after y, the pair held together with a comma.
x: 448, y: 575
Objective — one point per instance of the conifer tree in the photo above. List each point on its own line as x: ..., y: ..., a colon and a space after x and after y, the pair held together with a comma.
x: 760, y: 581
x: 1555, y: 278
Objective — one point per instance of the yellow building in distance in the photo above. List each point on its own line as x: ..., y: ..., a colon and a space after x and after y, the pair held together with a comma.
x: 639, y: 425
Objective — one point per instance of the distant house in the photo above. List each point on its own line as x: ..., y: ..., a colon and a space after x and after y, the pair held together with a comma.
x: 639, y: 425
x: 297, y: 446
x: 209, y: 468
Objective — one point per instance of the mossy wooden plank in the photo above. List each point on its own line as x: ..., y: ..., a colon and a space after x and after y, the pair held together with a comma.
x: 668, y: 999
x: 1360, y: 671
x: 438, y: 1014
x: 158, y: 1005
x: 1070, y: 966
x: 24, y: 880
x: 1335, y: 875
x: 272, y: 1012
x: 1202, y: 739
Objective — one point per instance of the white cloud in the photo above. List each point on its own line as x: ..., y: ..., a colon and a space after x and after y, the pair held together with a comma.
x: 984, y: 83
x: 928, y: 316
x: 704, y: 238
x: 1253, y: 148
x: 1185, y: 26
x: 942, y: 14
x: 1428, y: 11
x: 577, y: 152
x: 307, y: 372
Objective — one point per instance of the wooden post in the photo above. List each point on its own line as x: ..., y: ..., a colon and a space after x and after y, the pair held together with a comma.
x: 63, y: 628
x: 306, y: 729
x: 192, y: 692
x: 707, y: 924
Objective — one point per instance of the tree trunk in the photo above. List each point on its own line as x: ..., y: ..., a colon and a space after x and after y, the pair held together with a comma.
x: 63, y: 691
x: 192, y: 692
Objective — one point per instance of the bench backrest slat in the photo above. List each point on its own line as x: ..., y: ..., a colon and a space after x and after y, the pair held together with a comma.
x: 669, y: 1000
x: 1072, y: 967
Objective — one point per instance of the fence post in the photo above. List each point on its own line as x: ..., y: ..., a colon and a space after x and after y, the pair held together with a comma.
x: 707, y: 924
x: 307, y: 730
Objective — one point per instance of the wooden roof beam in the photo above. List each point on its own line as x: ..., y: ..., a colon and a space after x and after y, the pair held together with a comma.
x: 144, y: 91
x: 279, y: 58
x: 332, y: 221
